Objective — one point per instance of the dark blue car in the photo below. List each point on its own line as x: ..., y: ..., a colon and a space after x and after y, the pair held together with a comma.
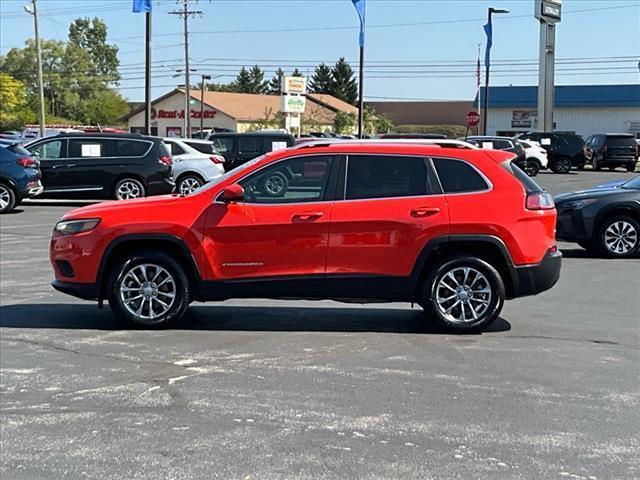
x: 19, y: 176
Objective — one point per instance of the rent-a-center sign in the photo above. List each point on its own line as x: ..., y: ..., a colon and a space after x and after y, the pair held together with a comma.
x: 180, y: 114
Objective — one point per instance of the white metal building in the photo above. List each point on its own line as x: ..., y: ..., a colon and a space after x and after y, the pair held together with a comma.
x: 583, y: 109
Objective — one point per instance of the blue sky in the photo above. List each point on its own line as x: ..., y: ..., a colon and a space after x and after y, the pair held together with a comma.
x: 415, y: 49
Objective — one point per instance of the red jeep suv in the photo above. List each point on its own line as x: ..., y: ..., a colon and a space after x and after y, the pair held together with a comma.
x: 455, y: 230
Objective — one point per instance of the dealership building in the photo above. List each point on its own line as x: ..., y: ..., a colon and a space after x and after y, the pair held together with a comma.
x: 583, y: 109
x: 239, y: 112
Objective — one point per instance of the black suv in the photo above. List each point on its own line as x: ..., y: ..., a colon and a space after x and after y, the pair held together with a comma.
x: 612, y: 150
x: 94, y: 165
x: 238, y: 148
x: 507, y: 144
x: 564, y: 149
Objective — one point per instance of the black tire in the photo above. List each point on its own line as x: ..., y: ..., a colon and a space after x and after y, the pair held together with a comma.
x: 432, y: 288
x: 562, y: 165
x: 532, y: 167
x: 120, y: 277
x: 597, y: 164
x: 7, y: 198
x: 631, y: 168
x: 275, y: 184
x: 134, y: 187
x: 188, y: 182
x: 606, y: 235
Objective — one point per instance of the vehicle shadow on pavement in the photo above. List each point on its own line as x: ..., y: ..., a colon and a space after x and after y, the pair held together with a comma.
x: 234, y: 318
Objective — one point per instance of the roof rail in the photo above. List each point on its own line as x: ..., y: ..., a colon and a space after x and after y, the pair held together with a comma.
x: 443, y: 143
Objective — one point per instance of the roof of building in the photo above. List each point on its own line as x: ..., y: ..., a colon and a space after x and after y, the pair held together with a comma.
x: 424, y: 113
x: 566, y: 96
x: 250, y: 107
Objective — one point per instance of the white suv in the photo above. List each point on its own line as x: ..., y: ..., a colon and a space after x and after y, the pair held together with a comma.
x: 534, y: 152
x: 195, y: 162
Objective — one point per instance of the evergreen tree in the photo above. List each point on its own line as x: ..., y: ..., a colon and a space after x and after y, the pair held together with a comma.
x: 276, y: 81
x: 296, y: 73
x: 344, y: 83
x: 258, y: 84
x: 244, y: 81
x: 321, y: 81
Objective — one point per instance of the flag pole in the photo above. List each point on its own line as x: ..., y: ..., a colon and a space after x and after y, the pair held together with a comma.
x: 361, y: 95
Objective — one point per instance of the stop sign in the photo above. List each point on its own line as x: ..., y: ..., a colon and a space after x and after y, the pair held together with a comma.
x: 472, y: 118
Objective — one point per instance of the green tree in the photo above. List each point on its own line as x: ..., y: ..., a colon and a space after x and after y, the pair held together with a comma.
x: 91, y: 36
x: 296, y: 73
x: 258, y: 84
x: 344, y: 122
x: 244, y: 81
x: 321, y: 81
x: 105, y: 107
x: 276, y: 82
x: 344, y: 84
x: 14, y: 105
x: 223, y: 87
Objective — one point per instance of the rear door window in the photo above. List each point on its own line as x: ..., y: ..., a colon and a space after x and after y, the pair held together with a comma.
x: 223, y: 144
x: 175, y: 148
x: 386, y: 177
x: 89, y: 148
x: 457, y: 176
x: 202, y: 147
x: 249, y: 145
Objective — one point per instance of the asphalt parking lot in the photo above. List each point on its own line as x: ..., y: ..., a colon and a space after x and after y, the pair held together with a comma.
x: 282, y: 390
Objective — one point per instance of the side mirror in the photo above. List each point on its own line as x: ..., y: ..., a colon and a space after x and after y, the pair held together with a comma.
x: 233, y: 193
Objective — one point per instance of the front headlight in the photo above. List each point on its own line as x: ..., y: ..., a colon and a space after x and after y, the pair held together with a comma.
x: 579, y: 204
x: 69, y: 227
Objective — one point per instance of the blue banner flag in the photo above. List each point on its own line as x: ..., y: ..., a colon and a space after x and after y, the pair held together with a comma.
x: 360, y: 7
x: 141, y: 6
x: 488, y: 29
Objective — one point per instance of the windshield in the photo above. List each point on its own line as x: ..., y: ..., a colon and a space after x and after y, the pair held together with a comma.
x: 230, y: 173
x: 634, y: 183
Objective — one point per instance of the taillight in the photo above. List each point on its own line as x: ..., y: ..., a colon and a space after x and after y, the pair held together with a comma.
x: 27, y: 162
x: 166, y: 160
x: 217, y: 159
x: 540, y: 201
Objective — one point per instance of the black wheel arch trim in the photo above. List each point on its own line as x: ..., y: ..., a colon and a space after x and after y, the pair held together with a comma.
x: 615, y: 208
x: 102, y: 274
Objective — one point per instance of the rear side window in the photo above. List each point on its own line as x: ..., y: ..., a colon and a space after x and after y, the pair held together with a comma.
x: 202, y: 147
x: 128, y: 148
x: 525, y: 180
x: 621, y: 141
x: 457, y: 176
x: 386, y: 176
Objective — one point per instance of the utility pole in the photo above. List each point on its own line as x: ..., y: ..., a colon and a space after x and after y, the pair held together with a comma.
x: 147, y: 75
x: 185, y: 13
x: 34, y: 11
x: 548, y: 12
x: 204, y: 77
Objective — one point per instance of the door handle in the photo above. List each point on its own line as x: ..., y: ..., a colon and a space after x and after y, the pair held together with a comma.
x: 424, y: 211
x: 306, y: 216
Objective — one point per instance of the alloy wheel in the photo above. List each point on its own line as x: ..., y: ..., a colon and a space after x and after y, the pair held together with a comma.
x: 463, y: 295
x: 620, y: 237
x: 147, y: 292
x: 128, y: 190
x: 5, y: 197
x: 274, y: 185
x: 189, y: 185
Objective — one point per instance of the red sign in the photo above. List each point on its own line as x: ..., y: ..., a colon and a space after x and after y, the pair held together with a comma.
x: 472, y: 119
x: 180, y: 114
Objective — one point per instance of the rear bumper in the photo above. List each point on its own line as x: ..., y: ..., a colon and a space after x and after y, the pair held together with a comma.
x: 85, y: 291
x: 534, y: 279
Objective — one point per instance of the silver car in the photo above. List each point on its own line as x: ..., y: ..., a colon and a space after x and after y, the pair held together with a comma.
x: 195, y: 162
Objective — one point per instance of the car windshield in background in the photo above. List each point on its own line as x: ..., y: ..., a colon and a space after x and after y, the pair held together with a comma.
x: 633, y: 184
x: 203, y: 147
x: 621, y: 141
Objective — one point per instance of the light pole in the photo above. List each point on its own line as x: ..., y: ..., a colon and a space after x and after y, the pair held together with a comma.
x: 204, y: 77
x: 33, y: 10
x: 488, y: 28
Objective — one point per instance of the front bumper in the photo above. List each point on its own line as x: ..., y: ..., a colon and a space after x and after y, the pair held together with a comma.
x: 85, y: 291
x: 534, y: 279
